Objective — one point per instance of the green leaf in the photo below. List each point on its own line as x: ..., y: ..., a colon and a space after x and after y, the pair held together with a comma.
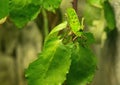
x: 83, y: 66
x: 51, y: 66
x: 55, y: 30
x: 4, y: 8
x: 22, y: 11
x: 59, y: 27
x: 109, y: 15
x: 86, y: 39
x: 51, y: 5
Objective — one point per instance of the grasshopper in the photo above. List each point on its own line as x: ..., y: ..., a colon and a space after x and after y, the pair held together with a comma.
x: 73, y: 21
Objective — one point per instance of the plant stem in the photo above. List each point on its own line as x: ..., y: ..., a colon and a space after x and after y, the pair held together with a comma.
x: 45, y: 20
x: 74, y: 3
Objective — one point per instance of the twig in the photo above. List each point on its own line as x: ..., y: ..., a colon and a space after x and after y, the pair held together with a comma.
x: 74, y: 3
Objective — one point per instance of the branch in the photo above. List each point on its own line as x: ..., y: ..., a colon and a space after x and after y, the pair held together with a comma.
x: 74, y: 3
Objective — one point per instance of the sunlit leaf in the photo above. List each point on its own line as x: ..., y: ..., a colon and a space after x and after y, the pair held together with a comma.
x: 58, y: 28
x: 51, y: 66
x: 3, y: 20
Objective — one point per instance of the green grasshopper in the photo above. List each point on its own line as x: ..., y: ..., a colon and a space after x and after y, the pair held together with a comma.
x: 74, y: 23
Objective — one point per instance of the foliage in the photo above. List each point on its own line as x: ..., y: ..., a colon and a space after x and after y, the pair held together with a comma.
x: 22, y: 11
x: 53, y: 62
x: 82, y: 67
x: 19, y: 16
x: 66, y: 57
x: 109, y: 15
x: 61, y: 61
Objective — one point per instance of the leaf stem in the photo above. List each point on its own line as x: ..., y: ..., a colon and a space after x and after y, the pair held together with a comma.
x: 45, y: 20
